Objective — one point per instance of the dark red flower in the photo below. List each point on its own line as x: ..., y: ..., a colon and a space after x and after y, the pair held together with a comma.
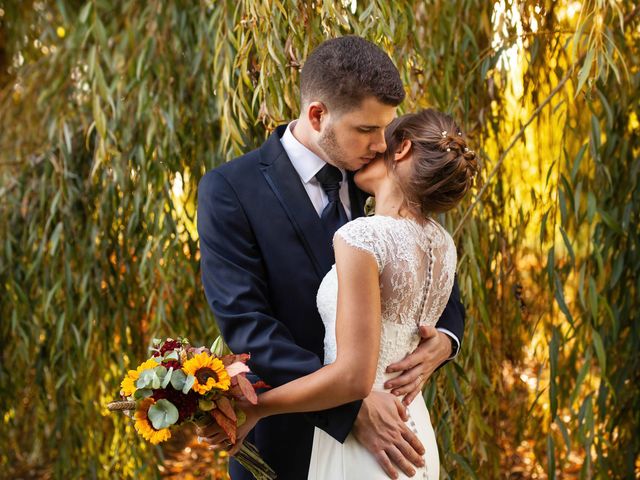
x: 186, y: 404
x: 167, y: 346
x: 171, y: 363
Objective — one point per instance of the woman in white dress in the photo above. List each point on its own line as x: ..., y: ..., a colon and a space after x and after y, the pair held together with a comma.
x: 394, y: 271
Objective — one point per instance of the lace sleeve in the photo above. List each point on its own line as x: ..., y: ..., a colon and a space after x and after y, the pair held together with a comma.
x: 363, y: 235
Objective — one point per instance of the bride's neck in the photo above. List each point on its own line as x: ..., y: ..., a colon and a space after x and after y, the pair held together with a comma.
x: 390, y: 200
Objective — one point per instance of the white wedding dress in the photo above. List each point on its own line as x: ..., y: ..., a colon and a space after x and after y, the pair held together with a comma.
x: 417, y: 266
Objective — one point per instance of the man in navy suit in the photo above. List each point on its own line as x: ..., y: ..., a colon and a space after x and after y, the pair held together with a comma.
x: 266, y: 222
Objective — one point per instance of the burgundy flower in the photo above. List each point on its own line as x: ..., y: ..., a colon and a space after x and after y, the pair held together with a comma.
x: 171, y: 363
x: 167, y: 346
x: 186, y: 404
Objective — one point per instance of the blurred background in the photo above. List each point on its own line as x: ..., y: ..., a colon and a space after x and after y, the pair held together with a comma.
x: 111, y: 112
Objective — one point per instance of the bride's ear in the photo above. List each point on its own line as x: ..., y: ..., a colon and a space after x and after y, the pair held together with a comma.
x: 402, y: 151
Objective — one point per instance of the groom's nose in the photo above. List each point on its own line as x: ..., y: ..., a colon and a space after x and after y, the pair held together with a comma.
x: 379, y: 145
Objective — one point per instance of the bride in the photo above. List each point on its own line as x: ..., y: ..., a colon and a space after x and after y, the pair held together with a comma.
x: 394, y: 272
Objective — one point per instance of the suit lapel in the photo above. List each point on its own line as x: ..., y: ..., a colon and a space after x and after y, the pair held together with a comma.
x: 287, y: 187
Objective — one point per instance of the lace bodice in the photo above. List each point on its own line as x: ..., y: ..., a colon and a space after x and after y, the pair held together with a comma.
x: 416, y: 265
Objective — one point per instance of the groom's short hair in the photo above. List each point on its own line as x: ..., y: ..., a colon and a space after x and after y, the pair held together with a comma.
x: 343, y: 71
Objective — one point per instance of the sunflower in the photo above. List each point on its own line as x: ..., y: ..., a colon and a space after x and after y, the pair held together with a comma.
x: 145, y: 428
x: 128, y: 385
x: 209, y: 372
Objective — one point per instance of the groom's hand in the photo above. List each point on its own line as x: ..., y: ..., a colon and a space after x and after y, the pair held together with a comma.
x: 416, y: 368
x: 380, y: 428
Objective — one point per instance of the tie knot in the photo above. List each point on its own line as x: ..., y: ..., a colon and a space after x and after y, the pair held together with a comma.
x: 329, y: 176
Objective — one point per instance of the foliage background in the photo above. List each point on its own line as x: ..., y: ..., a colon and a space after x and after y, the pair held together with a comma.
x: 111, y: 111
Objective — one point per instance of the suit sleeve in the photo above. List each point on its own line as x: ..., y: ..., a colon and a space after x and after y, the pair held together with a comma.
x: 452, y: 320
x: 235, y: 285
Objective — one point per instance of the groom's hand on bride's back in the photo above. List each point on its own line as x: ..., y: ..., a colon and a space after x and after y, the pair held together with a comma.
x: 434, y: 349
x: 380, y: 427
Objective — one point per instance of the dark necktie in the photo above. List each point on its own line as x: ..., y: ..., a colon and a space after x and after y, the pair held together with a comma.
x: 333, y: 216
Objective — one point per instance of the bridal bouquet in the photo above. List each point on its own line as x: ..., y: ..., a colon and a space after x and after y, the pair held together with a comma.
x: 181, y: 383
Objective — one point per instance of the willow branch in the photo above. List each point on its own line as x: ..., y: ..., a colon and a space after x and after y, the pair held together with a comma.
x: 515, y: 139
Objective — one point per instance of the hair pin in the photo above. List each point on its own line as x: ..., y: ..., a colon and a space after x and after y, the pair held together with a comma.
x: 448, y: 149
x: 466, y: 149
x: 444, y: 133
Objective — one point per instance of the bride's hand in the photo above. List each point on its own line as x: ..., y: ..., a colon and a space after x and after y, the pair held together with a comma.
x: 212, y: 434
x: 252, y: 417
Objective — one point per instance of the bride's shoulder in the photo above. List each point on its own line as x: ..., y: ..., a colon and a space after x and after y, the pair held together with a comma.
x: 369, y: 227
x: 365, y: 233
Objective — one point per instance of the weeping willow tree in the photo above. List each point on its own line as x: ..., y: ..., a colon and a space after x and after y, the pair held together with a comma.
x: 112, y: 111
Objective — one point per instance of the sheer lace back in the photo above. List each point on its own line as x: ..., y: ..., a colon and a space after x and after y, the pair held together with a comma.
x: 417, y: 267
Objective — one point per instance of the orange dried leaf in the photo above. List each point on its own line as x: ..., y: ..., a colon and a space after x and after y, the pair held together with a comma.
x: 226, y: 424
x: 247, y: 389
x: 224, y: 404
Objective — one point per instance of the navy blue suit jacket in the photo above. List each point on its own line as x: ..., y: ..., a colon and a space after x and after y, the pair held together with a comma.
x: 264, y: 252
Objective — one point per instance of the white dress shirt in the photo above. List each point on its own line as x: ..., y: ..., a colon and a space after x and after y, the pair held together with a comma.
x: 307, y: 164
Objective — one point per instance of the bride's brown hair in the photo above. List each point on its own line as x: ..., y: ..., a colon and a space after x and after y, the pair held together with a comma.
x: 443, y: 167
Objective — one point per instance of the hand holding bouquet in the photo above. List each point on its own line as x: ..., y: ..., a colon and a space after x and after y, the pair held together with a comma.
x: 181, y: 383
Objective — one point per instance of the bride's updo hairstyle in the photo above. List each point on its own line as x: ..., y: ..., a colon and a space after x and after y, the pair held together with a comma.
x: 443, y: 167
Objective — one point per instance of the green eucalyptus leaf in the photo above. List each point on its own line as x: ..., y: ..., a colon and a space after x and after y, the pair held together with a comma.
x: 142, y: 393
x: 163, y: 414
x: 166, y: 378
x: 178, y: 378
x: 172, y: 355
x: 188, y: 383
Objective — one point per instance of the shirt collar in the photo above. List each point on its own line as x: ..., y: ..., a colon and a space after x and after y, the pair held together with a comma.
x: 305, y: 162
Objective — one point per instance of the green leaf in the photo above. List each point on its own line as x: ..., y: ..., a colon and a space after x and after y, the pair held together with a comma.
x: 163, y: 414
x: 141, y: 393
x: 172, y: 355
x: 84, y: 12
x: 148, y: 378
x: 178, y: 378
x: 577, y: 161
x: 565, y: 433
x: 610, y: 221
x: 582, y: 374
x: 554, y: 346
x: 559, y: 295
x: 593, y: 298
x: 585, y: 70
x: 460, y: 460
x: 366, y: 13
x: 167, y: 378
x: 206, y: 405
x: 218, y: 347
x: 551, y: 457
x: 567, y: 243
x: 600, y: 353
x: 188, y: 383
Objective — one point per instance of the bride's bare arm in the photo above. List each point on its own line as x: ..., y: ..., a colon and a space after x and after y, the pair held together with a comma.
x: 352, y: 375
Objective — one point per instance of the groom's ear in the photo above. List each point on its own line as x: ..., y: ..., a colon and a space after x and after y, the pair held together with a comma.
x: 317, y: 113
x: 402, y: 151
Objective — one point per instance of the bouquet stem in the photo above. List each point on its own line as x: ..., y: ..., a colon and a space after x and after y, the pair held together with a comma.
x: 250, y: 459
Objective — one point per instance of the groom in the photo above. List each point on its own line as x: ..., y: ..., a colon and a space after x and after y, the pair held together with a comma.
x: 266, y: 222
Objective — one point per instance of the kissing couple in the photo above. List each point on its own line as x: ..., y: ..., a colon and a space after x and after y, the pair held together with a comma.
x: 346, y: 316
